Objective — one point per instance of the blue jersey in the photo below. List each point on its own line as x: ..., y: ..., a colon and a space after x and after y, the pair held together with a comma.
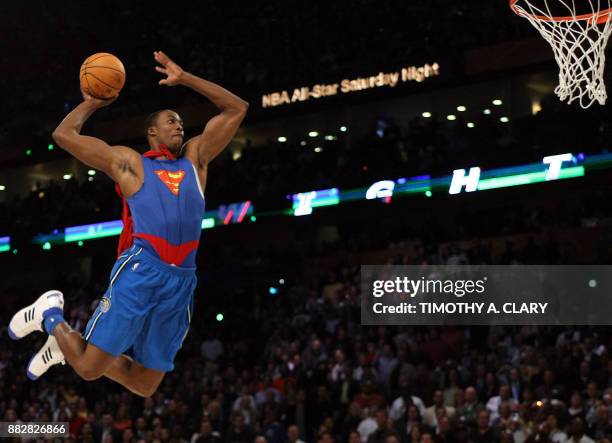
x: 147, y: 308
x: 168, y: 210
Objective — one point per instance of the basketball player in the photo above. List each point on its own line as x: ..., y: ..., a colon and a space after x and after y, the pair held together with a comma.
x: 148, y: 305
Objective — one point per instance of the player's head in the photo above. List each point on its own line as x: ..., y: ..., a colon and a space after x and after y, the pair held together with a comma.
x: 165, y: 127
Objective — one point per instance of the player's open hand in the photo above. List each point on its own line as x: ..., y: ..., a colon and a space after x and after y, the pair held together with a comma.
x: 97, y: 102
x: 173, y: 71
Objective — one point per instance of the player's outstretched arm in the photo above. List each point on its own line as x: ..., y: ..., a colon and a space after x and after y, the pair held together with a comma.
x: 119, y: 162
x: 220, y: 130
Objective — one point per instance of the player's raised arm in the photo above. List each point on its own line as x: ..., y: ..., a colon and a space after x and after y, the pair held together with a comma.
x: 220, y: 130
x: 119, y: 162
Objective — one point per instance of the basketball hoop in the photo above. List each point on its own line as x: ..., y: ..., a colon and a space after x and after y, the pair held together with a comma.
x: 578, y: 40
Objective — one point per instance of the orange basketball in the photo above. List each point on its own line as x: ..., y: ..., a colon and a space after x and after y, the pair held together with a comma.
x: 102, y: 75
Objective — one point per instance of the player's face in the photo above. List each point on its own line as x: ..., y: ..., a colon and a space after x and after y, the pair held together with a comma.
x: 170, y: 130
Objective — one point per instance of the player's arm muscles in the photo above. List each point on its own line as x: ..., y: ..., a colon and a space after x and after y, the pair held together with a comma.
x: 117, y: 161
x: 220, y: 129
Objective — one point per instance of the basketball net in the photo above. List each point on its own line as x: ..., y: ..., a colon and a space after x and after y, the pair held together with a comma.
x: 579, y: 42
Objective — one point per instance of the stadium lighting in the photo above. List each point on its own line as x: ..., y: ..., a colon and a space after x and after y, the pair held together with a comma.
x: 219, y: 317
x: 80, y: 243
x: 343, y: 129
x: 253, y: 218
x: 208, y: 223
x: 461, y: 108
x: 318, y: 149
x: 29, y: 152
x: 504, y: 119
x: 486, y: 111
x: 46, y: 246
x: 2, y: 188
x: 50, y: 147
x: 67, y: 176
x: 451, y: 117
x: 303, y: 143
x: 330, y: 137
x: 313, y: 134
x: 426, y: 114
x: 497, y: 102
x: 470, y: 125
x: 428, y: 194
x: 282, y: 281
x: 282, y: 139
x: 15, y: 251
x: 5, y: 244
x: 91, y: 172
x: 272, y: 290
x: 90, y: 179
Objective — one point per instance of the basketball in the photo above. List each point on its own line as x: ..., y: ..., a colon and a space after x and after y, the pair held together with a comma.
x: 102, y: 75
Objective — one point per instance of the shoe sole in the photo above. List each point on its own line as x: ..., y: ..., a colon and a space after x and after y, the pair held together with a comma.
x: 12, y: 334
x: 28, y: 373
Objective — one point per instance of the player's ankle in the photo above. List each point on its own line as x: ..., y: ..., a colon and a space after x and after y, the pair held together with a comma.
x: 52, y: 319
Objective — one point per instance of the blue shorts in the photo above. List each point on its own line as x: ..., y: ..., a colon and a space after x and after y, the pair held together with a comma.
x: 146, y: 310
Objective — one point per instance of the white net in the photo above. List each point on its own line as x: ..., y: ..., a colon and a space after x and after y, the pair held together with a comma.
x: 578, y: 39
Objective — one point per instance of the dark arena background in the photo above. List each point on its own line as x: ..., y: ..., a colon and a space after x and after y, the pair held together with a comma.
x: 360, y: 112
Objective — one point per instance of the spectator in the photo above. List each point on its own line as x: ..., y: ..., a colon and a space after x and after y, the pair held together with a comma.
x: 431, y: 415
x: 576, y: 434
x: 483, y: 432
x: 293, y: 434
x: 383, y: 430
x: 239, y: 431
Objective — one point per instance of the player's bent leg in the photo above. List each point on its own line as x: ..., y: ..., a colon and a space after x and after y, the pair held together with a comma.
x: 131, y: 374
x: 87, y: 360
x: 91, y: 363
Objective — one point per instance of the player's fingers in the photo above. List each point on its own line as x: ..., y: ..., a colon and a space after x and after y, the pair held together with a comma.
x: 158, y: 57
x: 163, y: 81
x: 160, y: 69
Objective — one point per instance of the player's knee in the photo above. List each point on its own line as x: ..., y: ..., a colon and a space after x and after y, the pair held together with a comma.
x: 90, y: 374
x: 147, y: 391
x: 147, y: 388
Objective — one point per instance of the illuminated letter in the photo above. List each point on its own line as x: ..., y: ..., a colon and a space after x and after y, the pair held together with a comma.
x: 380, y: 189
x: 266, y: 101
x: 459, y: 180
x: 554, y: 163
x: 304, y: 203
x: 297, y: 95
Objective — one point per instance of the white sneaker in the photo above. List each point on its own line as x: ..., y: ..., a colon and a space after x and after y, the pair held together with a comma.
x: 30, y: 318
x: 49, y: 355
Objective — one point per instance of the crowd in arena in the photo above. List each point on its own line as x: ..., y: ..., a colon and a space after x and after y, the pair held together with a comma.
x: 298, y: 366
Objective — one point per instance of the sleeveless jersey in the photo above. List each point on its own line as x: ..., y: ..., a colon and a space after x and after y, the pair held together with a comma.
x: 167, y: 211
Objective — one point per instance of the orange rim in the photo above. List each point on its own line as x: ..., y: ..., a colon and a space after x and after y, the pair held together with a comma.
x: 599, y: 17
